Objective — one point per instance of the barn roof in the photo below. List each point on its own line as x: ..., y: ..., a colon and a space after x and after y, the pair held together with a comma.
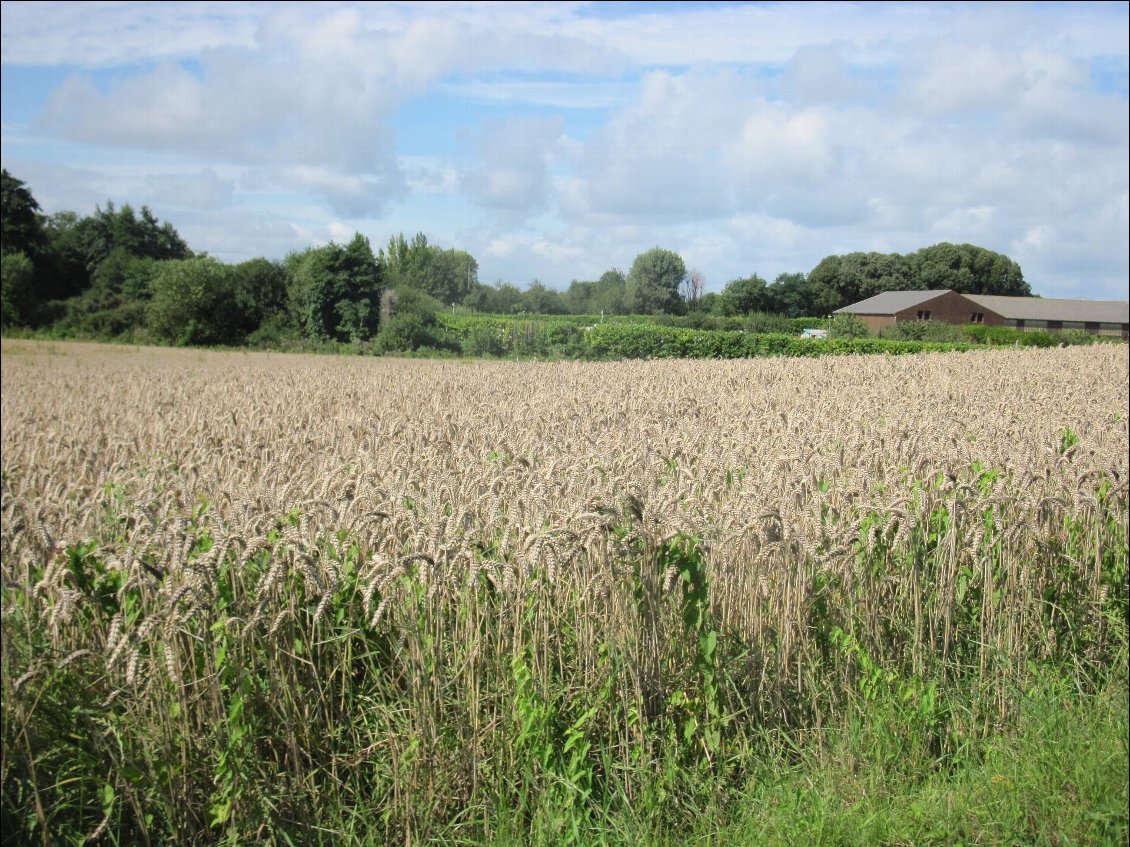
x: 1045, y: 309
x: 890, y: 302
x: 1009, y: 308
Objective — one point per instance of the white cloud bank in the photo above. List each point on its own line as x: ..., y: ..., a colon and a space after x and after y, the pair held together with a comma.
x: 567, y: 137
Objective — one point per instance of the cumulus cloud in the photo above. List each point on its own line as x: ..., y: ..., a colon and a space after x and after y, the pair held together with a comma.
x: 311, y: 100
x: 112, y: 34
x: 766, y: 136
x: 204, y: 189
x: 821, y: 74
x: 510, y: 168
x: 658, y: 159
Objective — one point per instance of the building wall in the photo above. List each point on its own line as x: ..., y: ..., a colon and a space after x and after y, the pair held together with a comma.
x: 951, y: 308
x: 877, y: 322
x: 954, y: 308
x: 1109, y: 329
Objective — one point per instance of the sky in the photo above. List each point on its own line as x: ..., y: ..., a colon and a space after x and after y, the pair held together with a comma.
x: 554, y: 141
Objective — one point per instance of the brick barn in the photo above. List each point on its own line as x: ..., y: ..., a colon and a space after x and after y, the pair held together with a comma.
x: 1102, y: 317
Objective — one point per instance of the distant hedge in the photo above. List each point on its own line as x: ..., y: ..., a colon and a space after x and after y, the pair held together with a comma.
x: 570, y: 337
x: 613, y: 341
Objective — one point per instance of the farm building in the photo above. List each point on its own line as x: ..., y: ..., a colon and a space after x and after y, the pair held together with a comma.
x: 1103, y: 317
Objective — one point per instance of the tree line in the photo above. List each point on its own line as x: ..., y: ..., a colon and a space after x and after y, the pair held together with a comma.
x: 122, y: 273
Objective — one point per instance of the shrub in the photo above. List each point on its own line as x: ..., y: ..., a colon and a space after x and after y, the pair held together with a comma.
x: 17, y: 298
x: 847, y: 326
x: 412, y: 324
x: 924, y: 331
x: 764, y: 322
x: 193, y: 302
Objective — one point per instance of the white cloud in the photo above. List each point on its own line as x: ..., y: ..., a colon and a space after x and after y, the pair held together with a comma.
x: 509, y: 170
x: 341, y: 233
x: 100, y: 34
x: 658, y: 159
x: 964, y: 225
x: 750, y: 137
x: 204, y: 189
x: 821, y: 73
x: 778, y: 143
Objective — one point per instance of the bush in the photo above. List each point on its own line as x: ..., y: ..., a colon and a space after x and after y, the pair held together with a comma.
x: 924, y: 331
x: 483, y: 341
x: 17, y: 295
x: 412, y: 324
x: 193, y: 302
x: 277, y: 331
x: 101, y: 317
x: 764, y: 322
x: 847, y: 326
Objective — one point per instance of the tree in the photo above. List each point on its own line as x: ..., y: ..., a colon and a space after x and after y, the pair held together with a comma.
x: 845, y: 325
x: 712, y: 304
x: 541, y: 300
x: 408, y: 322
x: 502, y: 298
x: 109, y: 229
x: 786, y: 296
x: 64, y: 272
x: 653, y: 284
x: 123, y: 276
x: 17, y: 300
x: 21, y: 225
x: 193, y: 302
x: 605, y: 296
x: 75, y: 248
x: 451, y: 276
x: 335, y: 291
x: 744, y: 295
x: 693, y: 287
x: 259, y: 291
x: 968, y: 269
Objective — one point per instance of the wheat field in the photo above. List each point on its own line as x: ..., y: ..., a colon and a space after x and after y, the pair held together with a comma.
x: 412, y: 579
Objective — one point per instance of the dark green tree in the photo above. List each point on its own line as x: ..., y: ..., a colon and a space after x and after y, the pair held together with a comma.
x: 123, y: 276
x: 259, y: 289
x: 63, y: 267
x: 450, y: 276
x: 968, y: 269
x: 17, y: 294
x: 540, y: 300
x: 193, y: 302
x: 607, y: 295
x: 21, y: 224
x: 138, y: 235
x: 335, y: 291
x: 502, y: 298
x: 713, y: 304
x: 75, y: 248
x: 965, y: 268
x: 788, y: 295
x: 409, y: 322
x: 653, y: 284
x: 744, y: 295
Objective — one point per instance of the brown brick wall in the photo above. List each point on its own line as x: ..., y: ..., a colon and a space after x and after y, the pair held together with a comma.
x: 876, y: 322
x: 952, y: 308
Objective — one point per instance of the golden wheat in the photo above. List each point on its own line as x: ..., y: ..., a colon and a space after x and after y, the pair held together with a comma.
x: 549, y: 479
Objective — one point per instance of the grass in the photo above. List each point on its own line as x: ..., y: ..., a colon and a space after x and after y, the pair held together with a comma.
x: 329, y: 735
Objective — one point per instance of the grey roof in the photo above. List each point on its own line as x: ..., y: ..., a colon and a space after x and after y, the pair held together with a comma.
x: 1015, y: 308
x: 1044, y: 309
x: 890, y: 302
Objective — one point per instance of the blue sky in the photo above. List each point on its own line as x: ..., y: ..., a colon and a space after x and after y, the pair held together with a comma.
x: 554, y: 141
